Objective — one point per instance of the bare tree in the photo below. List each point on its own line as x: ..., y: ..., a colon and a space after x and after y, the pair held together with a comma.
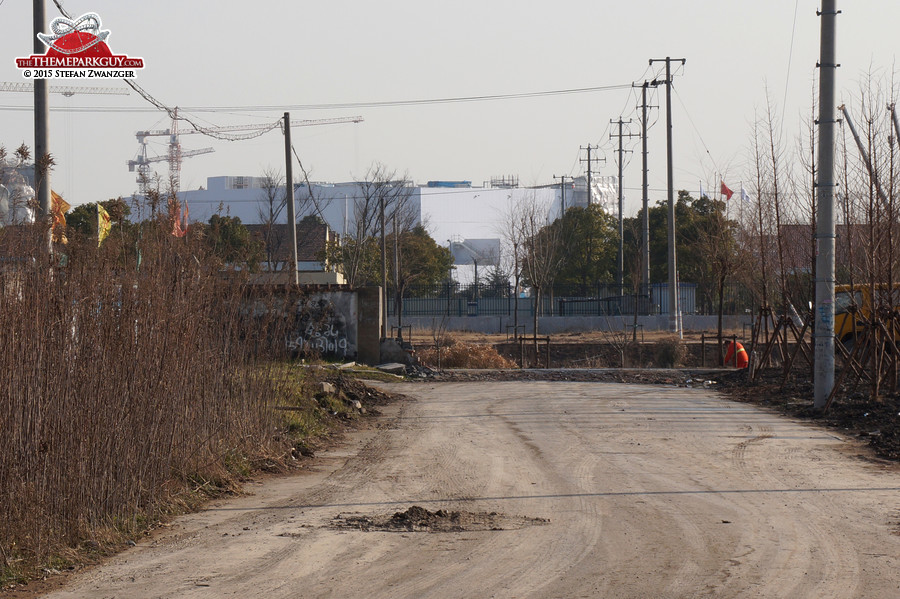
x: 512, y: 242
x: 380, y: 200
x: 272, y: 204
x: 541, y: 251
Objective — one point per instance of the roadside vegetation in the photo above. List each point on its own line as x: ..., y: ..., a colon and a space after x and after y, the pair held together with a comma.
x: 137, y: 383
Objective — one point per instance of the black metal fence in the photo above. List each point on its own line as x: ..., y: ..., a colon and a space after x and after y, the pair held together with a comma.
x: 453, y: 299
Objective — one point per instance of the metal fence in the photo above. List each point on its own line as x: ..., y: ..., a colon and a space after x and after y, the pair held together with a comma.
x: 453, y: 299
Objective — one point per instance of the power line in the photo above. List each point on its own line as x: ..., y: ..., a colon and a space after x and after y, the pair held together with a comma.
x: 334, y: 105
x: 62, y: 10
x: 696, y: 130
x: 421, y: 102
x: 787, y: 78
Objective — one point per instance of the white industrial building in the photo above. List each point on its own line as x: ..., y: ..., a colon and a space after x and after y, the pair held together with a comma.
x: 453, y: 212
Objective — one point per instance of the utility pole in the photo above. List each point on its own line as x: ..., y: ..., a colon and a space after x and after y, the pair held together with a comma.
x: 383, y: 269
x: 620, y: 265
x: 590, y: 188
x: 823, y: 379
x: 562, y: 187
x: 645, y: 187
x: 398, y: 300
x: 670, y: 179
x: 289, y: 196
x: 41, y: 120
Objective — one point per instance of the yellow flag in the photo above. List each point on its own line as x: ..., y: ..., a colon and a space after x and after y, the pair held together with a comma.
x: 104, y: 223
x: 60, y: 207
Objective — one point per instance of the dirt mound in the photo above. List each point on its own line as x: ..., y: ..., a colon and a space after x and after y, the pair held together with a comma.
x: 355, y: 390
x: 419, y: 519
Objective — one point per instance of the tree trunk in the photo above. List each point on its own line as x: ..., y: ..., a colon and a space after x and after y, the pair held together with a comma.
x: 720, y: 311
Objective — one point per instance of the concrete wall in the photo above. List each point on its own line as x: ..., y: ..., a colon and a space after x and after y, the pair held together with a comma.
x: 369, y: 325
x: 327, y: 323
x: 552, y: 325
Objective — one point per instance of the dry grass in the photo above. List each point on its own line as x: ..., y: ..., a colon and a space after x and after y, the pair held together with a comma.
x: 458, y: 354
x: 669, y: 352
x: 125, y: 387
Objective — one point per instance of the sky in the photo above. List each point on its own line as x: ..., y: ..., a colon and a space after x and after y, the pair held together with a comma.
x: 229, y: 63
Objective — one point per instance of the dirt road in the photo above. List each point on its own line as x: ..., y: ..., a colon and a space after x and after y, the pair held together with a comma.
x: 545, y: 490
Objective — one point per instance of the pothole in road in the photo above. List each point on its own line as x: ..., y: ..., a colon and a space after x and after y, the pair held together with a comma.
x: 419, y: 519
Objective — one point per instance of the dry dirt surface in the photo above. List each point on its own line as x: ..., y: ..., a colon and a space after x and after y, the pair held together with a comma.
x: 534, y: 489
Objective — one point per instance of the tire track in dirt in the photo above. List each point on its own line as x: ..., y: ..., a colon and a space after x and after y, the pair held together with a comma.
x: 649, y: 492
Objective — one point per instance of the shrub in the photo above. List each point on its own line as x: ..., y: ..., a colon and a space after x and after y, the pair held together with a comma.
x: 126, y: 382
x: 669, y: 352
x: 457, y: 354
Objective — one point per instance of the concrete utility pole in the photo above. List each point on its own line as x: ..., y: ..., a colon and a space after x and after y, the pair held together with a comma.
x: 384, y: 314
x: 398, y: 301
x: 590, y: 189
x: 823, y: 379
x: 289, y: 197
x: 562, y: 187
x: 41, y: 120
x: 645, y: 191
x: 620, y: 264
x: 670, y: 178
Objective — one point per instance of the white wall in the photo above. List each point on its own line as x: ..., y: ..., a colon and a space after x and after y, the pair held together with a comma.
x: 448, y: 213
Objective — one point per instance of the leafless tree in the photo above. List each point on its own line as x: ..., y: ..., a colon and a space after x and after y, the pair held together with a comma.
x: 272, y: 204
x: 542, y: 252
x: 380, y: 192
x: 512, y: 242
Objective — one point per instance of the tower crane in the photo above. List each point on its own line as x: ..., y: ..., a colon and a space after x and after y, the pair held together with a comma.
x: 66, y: 90
x: 175, y: 154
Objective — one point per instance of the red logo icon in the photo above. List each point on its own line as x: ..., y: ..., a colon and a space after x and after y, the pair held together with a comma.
x: 78, y: 48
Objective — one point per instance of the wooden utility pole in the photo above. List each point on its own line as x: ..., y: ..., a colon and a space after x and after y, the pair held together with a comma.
x: 670, y: 179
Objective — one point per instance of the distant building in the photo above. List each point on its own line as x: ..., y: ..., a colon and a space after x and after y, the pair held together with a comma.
x: 446, y: 209
x: 453, y: 212
x: 312, y: 239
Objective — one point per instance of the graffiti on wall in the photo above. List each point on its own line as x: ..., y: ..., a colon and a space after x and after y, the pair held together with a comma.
x: 325, y: 325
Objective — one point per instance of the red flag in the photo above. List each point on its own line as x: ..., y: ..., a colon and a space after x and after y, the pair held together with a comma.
x: 725, y: 191
x: 179, y: 220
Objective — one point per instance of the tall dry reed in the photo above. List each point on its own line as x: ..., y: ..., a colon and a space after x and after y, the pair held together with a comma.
x: 125, y: 376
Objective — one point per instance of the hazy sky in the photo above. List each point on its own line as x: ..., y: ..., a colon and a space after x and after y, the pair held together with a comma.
x: 226, y: 58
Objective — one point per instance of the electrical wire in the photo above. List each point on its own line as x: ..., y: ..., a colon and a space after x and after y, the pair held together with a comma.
x: 696, y: 130
x: 345, y: 105
x: 173, y: 113
x: 421, y: 102
x: 62, y: 10
x: 787, y: 78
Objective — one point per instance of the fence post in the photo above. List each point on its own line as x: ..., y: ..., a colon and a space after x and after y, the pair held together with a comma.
x: 448, y: 299
x: 703, y: 350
